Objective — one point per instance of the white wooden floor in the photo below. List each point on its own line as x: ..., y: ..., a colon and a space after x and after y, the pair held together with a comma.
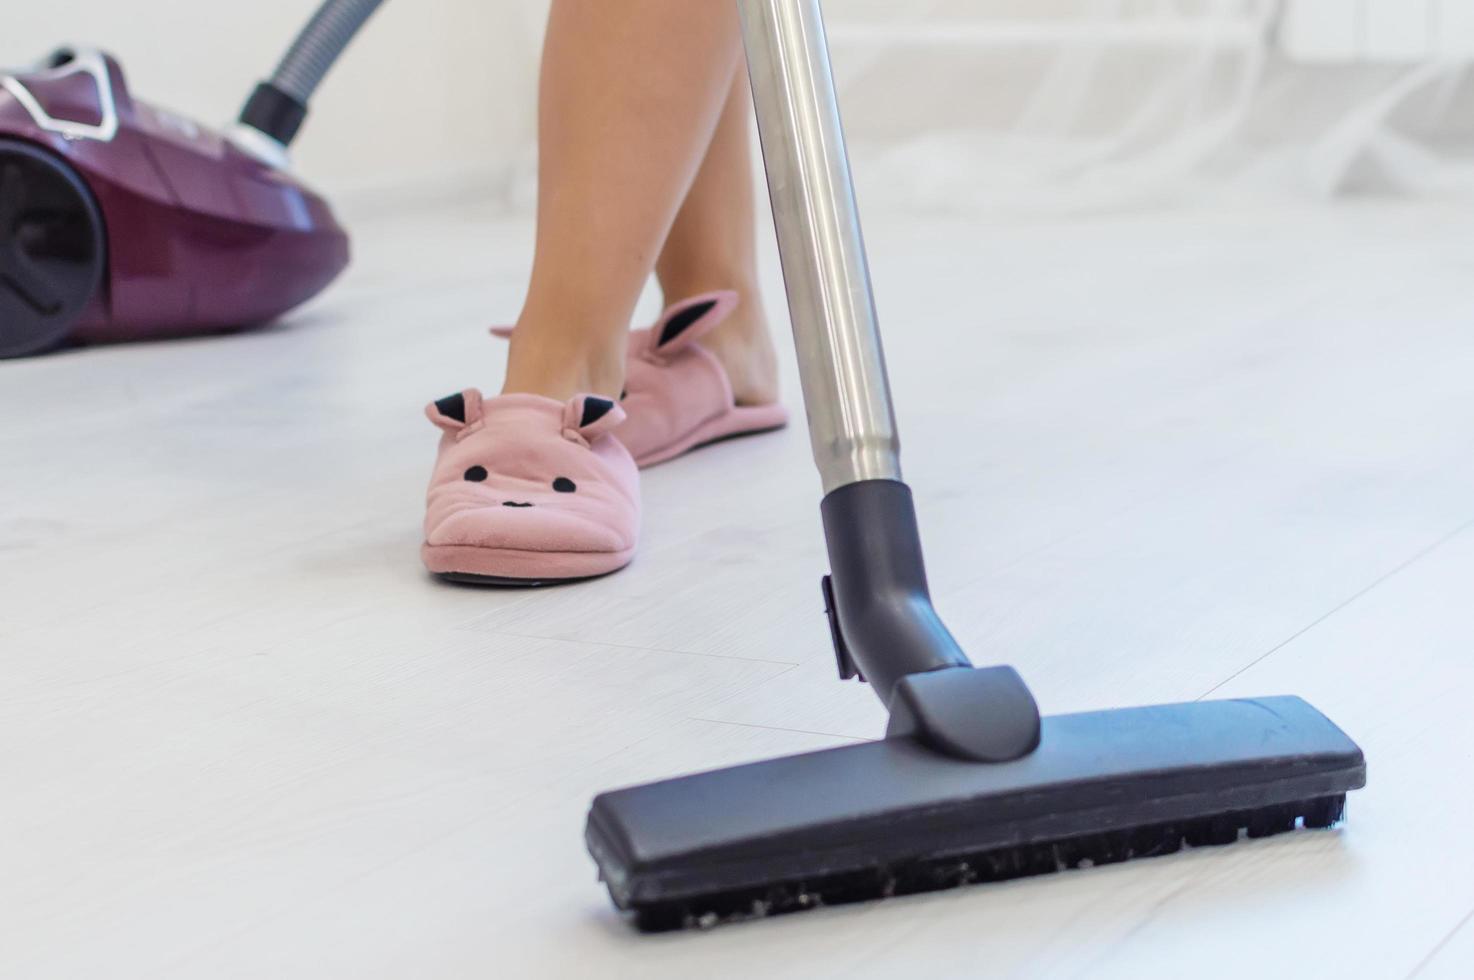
x: 1157, y: 458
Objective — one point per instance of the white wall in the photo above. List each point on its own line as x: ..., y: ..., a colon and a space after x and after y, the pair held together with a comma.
x: 435, y: 89
x: 441, y: 94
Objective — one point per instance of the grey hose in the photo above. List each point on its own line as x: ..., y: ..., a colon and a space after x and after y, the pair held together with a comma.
x: 278, y: 106
x: 324, y: 38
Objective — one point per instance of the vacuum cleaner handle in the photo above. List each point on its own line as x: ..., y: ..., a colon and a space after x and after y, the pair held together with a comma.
x: 885, y: 628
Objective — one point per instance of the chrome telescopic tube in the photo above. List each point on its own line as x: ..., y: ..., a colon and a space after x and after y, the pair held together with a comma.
x: 846, y: 392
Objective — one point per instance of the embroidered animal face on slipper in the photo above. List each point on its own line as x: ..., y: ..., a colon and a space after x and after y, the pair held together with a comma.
x: 479, y: 474
x: 527, y: 474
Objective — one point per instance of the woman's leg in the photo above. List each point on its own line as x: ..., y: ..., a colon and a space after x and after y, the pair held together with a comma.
x: 713, y: 245
x: 631, y: 94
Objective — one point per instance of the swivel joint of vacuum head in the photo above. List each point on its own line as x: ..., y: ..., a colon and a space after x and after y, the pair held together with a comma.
x: 977, y: 714
x: 887, y: 632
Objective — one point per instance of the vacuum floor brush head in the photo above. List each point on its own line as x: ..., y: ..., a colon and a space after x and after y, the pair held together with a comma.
x: 893, y: 817
x: 969, y: 784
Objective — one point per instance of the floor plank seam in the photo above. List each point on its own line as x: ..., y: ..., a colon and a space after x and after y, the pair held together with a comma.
x: 630, y: 646
x: 1111, y: 517
x: 1441, y: 944
x: 1419, y: 556
x: 777, y: 728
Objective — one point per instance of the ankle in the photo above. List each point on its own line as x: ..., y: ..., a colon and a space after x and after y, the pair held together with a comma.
x: 744, y: 346
x: 550, y: 359
x: 747, y: 320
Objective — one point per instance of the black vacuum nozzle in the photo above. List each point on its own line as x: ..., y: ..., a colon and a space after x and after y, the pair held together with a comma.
x: 893, y: 816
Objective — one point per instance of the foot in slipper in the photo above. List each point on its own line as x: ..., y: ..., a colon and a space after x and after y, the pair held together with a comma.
x: 529, y: 491
x: 677, y: 394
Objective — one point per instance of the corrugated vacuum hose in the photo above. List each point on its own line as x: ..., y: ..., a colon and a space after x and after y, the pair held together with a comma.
x: 278, y: 106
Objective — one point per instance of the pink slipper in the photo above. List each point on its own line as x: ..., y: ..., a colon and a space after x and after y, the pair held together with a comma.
x: 677, y: 395
x: 529, y: 491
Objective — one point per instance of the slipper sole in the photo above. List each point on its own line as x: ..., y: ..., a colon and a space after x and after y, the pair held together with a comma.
x: 739, y: 422
x: 509, y: 567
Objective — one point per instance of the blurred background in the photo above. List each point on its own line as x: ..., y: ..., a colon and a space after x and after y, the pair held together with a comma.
x: 1053, y: 105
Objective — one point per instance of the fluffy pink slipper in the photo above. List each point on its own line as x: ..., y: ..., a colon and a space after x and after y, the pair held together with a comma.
x: 677, y: 395
x: 529, y: 491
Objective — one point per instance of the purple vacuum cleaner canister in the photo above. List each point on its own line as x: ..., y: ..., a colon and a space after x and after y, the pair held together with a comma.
x: 120, y: 221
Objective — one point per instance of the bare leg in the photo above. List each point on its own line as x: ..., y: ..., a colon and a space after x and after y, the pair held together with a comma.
x: 631, y: 94
x: 713, y: 245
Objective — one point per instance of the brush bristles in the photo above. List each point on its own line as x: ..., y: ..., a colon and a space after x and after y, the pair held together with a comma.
x: 936, y: 874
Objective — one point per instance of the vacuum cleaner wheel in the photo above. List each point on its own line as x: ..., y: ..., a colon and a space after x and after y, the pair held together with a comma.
x: 52, y: 251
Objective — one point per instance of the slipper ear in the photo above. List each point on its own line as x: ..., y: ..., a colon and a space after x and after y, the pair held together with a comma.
x: 454, y: 413
x: 504, y: 333
x: 587, y: 416
x: 691, y: 319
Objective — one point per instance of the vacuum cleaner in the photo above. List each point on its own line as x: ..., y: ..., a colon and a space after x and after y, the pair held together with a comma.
x: 121, y: 221
x: 969, y: 784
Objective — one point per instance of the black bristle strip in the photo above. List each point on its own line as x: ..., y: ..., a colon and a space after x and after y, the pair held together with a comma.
x: 1328, y: 811
x: 1001, y: 864
x: 1272, y: 820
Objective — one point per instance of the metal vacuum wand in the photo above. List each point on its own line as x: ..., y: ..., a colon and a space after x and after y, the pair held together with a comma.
x: 846, y: 391
x: 885, y: 629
